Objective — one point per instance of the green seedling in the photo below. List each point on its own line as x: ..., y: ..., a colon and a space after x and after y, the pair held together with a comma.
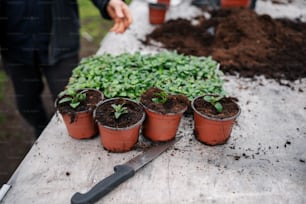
x: 120, y: 109
x: 215, y: 101
x: 129, y: 75
x: 161, y: 97
x: 74, y: 98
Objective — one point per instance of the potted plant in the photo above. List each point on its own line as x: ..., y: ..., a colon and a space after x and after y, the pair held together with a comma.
x: 214, y: 117
x: 157, y: 13
x: 76, y: 108
x: 163, y: 114
x: 119, y: 121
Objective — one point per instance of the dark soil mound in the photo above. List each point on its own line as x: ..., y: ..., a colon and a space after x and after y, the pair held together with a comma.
x: 241, y: 41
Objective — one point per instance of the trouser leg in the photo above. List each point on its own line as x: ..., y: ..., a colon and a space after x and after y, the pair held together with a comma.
x: 28, y: 87
x: 58, y: 75
x: 253, y: 4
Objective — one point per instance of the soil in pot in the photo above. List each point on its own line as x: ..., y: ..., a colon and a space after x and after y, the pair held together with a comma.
x: 229, y: 105
x: 119, y: 134
x: 105, y: 114
x: 162, y: 119
x: 210, y: 126
x: 174, y: 103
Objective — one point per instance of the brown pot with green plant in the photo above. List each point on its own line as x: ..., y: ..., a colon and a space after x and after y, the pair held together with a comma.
x: 163, y: 114
x: 119, y: 121
x: 76, y: 108
x: 214, y: 117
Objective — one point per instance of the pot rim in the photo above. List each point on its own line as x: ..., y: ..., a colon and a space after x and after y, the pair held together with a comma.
x: 114, y: 128
x: 158, y: 6
x: 154, y: 111
x: 213, y: 118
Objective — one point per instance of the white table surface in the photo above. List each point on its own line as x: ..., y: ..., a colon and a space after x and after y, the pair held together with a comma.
x: 263, y: 162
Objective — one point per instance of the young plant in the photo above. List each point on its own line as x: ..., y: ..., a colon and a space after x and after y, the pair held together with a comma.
x: 74, y: 98
x: 215, y: 101
x: 161, y: 97
x: 129, y: 75
x: 120, y: 109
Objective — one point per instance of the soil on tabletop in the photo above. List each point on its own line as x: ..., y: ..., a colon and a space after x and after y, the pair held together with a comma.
x: 242, y: 41
x: 230, y: 108
x: 105, y: 114
x: 174, y: 103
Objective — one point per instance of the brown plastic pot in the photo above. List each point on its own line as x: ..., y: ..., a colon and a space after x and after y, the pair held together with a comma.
x: 83, y: 127
x: 235, y: 3
x: 212, y: 131
x: 157, y: 13
x: 119, y: 139
x: 80, y: 124
x: 160, y: 127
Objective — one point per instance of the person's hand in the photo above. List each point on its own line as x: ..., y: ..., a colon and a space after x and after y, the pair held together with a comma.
x: 120, y: 13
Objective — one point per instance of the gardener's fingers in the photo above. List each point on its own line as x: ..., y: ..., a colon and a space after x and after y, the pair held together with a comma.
x: 118, y: 27
x: 127, y: 15
x: 121, y: 15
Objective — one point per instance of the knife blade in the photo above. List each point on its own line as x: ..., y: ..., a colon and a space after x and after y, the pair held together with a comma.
x: 121, y: 173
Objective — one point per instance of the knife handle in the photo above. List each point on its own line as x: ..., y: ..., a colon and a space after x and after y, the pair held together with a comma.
x: 122, y: 173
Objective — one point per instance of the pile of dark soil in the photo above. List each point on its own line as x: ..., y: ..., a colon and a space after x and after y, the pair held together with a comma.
x: 242, y: 41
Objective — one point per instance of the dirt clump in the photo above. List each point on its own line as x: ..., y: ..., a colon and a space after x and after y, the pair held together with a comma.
x: 242, y: 41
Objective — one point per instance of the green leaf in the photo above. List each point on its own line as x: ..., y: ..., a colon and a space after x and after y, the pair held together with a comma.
x: 117, y: 115
x: 74, y: 105
x: 219, y: 107
x: 66, y: 99
x: 208, y: 99
x: 119, y: 110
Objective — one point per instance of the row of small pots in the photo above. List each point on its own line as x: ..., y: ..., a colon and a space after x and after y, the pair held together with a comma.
x: 156, y: 126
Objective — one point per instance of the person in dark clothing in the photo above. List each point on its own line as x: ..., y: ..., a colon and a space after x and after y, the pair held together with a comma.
x: 39, y: 40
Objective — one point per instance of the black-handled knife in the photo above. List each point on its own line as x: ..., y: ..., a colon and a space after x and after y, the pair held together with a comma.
x: 122, y: 173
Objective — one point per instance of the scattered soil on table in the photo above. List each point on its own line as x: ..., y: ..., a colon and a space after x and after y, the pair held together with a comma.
x: 242, y: 41
x: 173, y: 104
x: 230, y: 108
x: 105, y: 114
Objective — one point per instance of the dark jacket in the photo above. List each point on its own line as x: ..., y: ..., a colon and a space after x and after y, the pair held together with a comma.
x: 56, y: 35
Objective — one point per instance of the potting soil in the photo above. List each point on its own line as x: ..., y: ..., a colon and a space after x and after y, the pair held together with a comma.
x: 242, y: 41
